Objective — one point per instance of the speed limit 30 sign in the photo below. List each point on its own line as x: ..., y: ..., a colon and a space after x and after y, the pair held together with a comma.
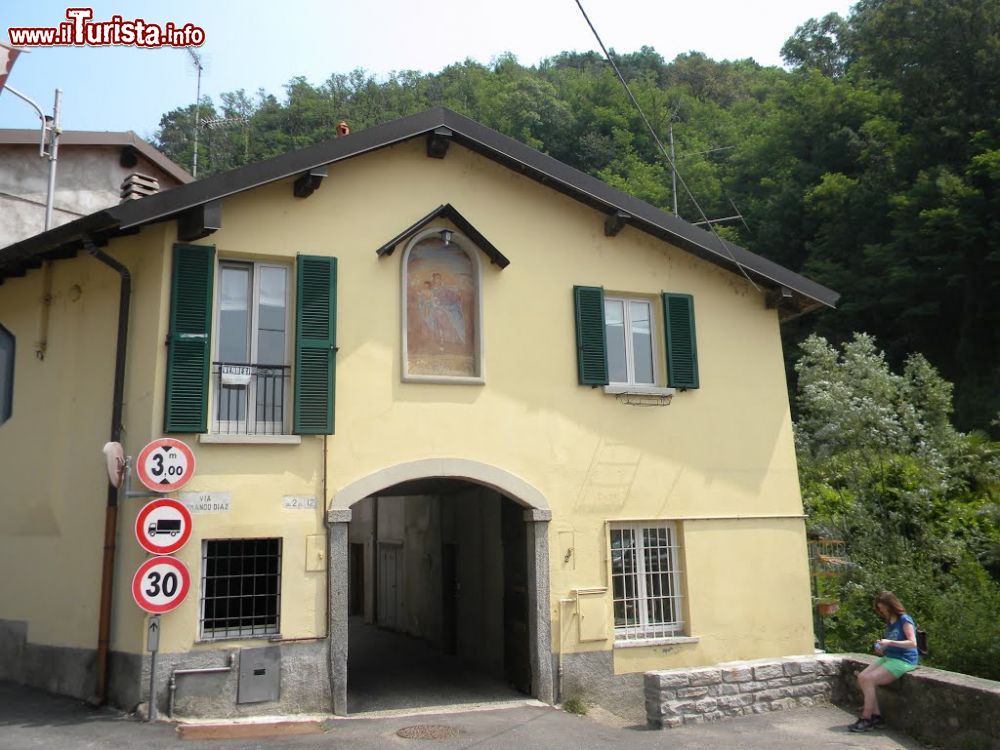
x: 164, y: 465
x: 160, y: 584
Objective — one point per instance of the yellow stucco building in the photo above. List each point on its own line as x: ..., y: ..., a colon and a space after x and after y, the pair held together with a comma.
x: 435, y: 382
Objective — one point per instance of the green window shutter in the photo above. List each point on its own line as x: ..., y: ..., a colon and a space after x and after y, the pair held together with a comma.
x: 591, y: 345
x: 315, y: 344
x: 188, y: 339
x: 682, y: 349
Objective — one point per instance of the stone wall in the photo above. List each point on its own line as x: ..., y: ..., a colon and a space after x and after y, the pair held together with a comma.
x: 692, y: 696
x: 938, y: 708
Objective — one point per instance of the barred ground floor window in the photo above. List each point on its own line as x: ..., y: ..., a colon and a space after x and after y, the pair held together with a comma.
x: 646, y: 580
x: 240, y: 588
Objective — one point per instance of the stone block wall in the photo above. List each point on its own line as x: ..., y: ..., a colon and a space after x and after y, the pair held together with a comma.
x: 941, y: 709
x: 692, y: 696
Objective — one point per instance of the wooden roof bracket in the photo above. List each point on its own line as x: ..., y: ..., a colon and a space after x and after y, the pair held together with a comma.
x: 614, y: 222
x: 199, y: 221
x: 438, y: 141
x: 308, y: 182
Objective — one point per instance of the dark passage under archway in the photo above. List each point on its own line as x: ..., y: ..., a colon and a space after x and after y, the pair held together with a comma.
x: 439, y: 598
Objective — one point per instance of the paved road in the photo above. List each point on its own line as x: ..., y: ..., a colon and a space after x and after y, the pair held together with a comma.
x: 30, y: 719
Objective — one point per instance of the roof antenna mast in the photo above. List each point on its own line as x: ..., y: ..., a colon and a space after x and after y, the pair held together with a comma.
x: 196, y: 59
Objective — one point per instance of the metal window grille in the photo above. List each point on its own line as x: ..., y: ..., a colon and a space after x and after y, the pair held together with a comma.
x: 250, y: 399
x: 645, y: 579
x: 240, y: 587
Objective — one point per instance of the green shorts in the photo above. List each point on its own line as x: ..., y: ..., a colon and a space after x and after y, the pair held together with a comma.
x: 896, y: 667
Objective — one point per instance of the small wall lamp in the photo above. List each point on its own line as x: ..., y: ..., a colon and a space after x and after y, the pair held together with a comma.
x: 446, y: 235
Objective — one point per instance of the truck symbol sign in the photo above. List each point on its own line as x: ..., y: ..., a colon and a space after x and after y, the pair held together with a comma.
x: 163, y: 526
x: 170, y: 526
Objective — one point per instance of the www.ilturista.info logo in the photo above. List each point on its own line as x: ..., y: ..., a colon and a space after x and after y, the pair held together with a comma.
x: 81, y: 31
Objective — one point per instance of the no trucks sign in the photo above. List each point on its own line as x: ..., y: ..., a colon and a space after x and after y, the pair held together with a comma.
x: 163, y: 526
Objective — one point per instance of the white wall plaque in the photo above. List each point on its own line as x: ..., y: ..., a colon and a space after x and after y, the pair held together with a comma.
x: 207, y: 502
x: 298, y: 502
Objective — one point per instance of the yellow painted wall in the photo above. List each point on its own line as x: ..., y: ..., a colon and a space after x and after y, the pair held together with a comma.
x: 723, y: 450
x: 52, y: 478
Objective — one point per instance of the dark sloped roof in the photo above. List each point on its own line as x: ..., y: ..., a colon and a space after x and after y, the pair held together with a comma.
x: 22, y: 137
x: 806, y: 294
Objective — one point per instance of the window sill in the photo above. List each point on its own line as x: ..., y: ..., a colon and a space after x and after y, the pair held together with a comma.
x: 207, y: 639
x: 208, y: 437
x: 676, y: 640
x: 638, y: 390
x: 443, y: 379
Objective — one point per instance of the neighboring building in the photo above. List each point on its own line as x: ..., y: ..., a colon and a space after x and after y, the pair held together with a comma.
x: 560, y: 445
x: 89, y: 174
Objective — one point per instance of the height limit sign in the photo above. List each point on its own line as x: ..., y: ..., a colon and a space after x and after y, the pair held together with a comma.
x: 165, y: 465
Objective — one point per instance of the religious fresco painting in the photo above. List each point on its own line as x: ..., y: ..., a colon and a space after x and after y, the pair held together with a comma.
x: 440, y: 311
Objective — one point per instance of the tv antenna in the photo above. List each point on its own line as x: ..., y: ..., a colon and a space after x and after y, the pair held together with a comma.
x: 50, y: 130
x: 226, y: 122
x: 196, y: 59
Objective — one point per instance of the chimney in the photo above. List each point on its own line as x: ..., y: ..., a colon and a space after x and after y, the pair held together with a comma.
x: 137, y: 186
x: 343, y: 129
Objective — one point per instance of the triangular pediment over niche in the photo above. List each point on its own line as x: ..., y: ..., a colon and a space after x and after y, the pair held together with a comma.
x: 447, y: 211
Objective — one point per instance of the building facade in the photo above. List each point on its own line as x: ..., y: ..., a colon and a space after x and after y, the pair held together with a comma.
x: 89, y: 174
x: 435, y: 382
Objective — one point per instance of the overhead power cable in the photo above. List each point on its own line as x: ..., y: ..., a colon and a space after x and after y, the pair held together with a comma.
x: 663, y: 151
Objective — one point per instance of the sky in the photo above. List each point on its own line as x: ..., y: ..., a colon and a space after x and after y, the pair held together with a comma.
x: 254, y: 44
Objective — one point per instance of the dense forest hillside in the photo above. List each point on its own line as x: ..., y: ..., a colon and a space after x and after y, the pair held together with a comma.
x: 871, y: 164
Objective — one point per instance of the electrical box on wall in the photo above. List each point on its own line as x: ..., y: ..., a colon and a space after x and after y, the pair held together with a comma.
x: 260, y: 675
x: 592, y: 613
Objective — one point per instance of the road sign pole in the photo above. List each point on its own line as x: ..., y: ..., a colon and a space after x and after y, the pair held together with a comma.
x: 153, y: 644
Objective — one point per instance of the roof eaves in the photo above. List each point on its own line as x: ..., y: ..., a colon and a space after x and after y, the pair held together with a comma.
x: 489, y: 143
x: 42, y: 245
x: 169, y: 203
x: 706, y: 245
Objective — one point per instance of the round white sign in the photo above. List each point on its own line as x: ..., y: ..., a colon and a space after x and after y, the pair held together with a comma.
x: 163, y: 526
x: 160, y: 584
x: 165, y: 465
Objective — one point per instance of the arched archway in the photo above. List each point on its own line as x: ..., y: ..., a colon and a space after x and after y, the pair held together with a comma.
x: 509, y: 487
x: 476, y: 472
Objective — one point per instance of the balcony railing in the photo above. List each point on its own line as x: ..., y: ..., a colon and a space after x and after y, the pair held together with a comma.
x: 250, y: 399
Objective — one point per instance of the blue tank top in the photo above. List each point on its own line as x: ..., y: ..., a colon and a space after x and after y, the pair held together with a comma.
x: 894, y: 632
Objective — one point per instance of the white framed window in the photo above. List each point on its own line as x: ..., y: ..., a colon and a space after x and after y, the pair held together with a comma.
x: 646, y: 580
x: 629, y: 325
x: 250, y: 374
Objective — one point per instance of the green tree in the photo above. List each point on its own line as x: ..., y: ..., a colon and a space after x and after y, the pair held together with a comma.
x: 914, y: 499
x: 818, y: 43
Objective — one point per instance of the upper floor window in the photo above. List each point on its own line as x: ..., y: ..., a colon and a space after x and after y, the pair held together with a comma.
x: 233, y: 334
x: 251, y: 371
x: 6, y: 374
x: 628, y: 325
x: 618, y: 344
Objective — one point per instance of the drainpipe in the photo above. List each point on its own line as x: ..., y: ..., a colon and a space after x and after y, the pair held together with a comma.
x: 111, y: 510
